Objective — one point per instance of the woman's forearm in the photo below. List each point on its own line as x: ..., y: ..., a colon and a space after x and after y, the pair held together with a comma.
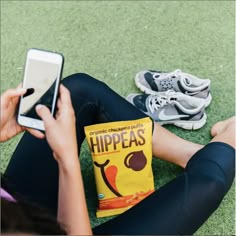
x: 72, y: 207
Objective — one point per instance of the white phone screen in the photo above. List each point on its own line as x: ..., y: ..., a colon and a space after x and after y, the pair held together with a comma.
x: 40, y: 81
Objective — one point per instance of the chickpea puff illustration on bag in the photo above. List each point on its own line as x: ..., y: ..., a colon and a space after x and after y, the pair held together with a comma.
x: 122, y: 156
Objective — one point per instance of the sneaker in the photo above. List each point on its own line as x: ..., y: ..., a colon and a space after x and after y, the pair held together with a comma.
x: 152, y: 82
x: 172, y: 108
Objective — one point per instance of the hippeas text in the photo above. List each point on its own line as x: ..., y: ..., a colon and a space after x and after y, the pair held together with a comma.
x: 116, y: 138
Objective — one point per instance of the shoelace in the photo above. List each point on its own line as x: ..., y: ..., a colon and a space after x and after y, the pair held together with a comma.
x: 156, y: 102
x: 175, y: 74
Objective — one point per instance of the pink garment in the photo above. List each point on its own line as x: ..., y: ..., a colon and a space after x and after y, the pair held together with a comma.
x: 4, y: 194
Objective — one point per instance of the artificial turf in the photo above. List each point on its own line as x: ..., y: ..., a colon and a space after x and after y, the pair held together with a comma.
x: 112, y: 41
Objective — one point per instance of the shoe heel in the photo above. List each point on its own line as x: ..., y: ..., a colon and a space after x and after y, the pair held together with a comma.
x: 208, y: 100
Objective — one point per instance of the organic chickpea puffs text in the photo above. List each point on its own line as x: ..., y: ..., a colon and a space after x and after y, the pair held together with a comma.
x: 122, y: 155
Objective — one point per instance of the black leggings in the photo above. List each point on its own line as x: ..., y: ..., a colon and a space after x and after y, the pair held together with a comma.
x: 179, y: 207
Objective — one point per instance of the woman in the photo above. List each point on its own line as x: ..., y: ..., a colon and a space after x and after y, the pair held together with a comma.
x: 47, y: 172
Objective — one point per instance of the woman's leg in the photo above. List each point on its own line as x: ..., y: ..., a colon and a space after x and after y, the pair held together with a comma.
x: 184, y: 204
x: 180, y: 150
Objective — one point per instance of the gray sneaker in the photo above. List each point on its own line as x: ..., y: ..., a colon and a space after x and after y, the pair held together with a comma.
x: 152, y: 82
x: 172, y: 108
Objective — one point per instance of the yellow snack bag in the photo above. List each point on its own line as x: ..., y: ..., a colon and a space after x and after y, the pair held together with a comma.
x: 122, y: 156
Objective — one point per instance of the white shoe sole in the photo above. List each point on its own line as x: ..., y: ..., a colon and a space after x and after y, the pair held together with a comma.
x: 208, y: 100
x: 150, y: 91
x: 190, y: 125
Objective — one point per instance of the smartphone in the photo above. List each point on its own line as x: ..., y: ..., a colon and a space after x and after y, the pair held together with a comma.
x: 42, y: 75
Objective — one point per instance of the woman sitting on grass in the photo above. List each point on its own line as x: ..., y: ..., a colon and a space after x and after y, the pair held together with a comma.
x: 44, y: 172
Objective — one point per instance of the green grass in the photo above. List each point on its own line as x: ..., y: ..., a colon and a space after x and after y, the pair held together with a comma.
x: 113, y: 40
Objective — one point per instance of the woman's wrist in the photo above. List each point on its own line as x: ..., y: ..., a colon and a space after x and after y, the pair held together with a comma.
x: 68, y: 162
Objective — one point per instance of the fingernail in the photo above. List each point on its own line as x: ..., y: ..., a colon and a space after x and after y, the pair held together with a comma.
x: 38, y: 107
x: 20, y: 90
x: 28, y: 92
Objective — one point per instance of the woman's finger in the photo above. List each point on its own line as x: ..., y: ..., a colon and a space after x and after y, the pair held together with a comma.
x: 59, y: 103
x: 45, y: 114
x: 11, y: 93
x: 36, y: 133
x: 19, y: 86
x: 57, y: 115
x: 65, y: 95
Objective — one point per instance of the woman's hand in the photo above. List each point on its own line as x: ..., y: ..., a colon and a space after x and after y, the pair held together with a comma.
x: 61, y: 136
x: 9, y: 126
x: 61, y: 132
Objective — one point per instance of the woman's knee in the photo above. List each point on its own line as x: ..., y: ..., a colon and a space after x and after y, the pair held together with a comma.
x: 209, y: 184
x: 82, y: 83
x: 215, y: 160
x: 215, y: 189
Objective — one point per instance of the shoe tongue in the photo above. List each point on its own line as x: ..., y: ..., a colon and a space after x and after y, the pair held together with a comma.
x: 186, y: 81
x: 166, y: 75
x: 173, y: 96
x: 156, y: 75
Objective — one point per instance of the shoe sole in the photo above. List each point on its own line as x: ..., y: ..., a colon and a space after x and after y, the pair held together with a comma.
x: 208, y: 100
x: 150, y: 91
x: 190, y: 125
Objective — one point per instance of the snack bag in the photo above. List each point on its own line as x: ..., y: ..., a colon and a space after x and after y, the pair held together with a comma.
x: 122, y: 155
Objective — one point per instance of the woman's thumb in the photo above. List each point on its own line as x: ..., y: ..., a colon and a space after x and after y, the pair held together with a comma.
x: 44, y: 113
